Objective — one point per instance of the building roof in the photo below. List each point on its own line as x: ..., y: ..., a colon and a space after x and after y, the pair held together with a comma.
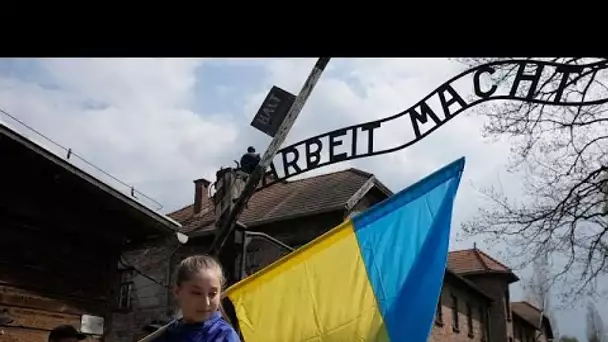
x: 475, y: 261
x: 318, y: 194
x: 532, y: 315
x: 469, y: 284
x: 286, y: 200
x: 149, y: 222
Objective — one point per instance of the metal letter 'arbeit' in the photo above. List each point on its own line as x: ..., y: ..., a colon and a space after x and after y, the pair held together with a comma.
x: 439, y: 107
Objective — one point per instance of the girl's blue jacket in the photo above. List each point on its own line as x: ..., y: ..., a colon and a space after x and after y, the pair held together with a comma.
x: 215, y: 329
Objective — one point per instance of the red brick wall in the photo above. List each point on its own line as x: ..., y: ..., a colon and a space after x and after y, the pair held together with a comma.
x: 522, y: 330
x: 148, y: 299
x: 496, y: 286
x: 445, y: 331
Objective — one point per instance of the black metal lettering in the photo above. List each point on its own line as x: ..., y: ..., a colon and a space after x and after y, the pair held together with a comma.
x: 354, y: 141
x: 334, y: 143
x: 270, y: 176
x: 420, y: 112
x: 293, y: 163
x: 455, y: 98
x: 310, y: 161
x: 521, y: 76
x: 273, y: 171
x: 422, y: 117
x: 566, y: 70
x: 477, y: 84
x: 370, y: 127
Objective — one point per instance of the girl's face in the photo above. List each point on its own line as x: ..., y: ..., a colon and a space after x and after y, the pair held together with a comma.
x: 199, y: 297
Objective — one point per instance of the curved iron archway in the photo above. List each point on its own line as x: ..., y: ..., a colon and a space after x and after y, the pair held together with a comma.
x: 421, y: 112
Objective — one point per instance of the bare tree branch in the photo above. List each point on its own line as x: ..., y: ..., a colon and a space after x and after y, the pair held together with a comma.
x: 562, y: 155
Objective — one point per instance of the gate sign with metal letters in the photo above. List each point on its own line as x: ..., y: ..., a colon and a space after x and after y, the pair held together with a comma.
x: 469, y: 88
x: 273, y: 110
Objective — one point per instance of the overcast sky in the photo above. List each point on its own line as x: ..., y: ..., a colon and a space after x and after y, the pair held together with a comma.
x: 159, y: 124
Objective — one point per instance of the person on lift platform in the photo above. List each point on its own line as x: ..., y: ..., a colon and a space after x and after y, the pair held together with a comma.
x: 250, y: 160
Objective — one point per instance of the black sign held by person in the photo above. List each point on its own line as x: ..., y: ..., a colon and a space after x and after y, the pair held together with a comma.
x: 469, y: 88
x: 273, y: 110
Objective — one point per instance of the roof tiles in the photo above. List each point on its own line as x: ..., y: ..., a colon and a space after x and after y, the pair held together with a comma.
x: 470, y: 261
x: 528, y: 312
x: 285, y: 200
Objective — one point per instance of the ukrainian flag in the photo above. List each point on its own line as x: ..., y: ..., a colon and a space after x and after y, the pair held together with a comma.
x: 375, y: 277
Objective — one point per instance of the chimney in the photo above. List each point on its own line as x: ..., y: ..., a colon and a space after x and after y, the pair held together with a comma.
x: 201, y: 188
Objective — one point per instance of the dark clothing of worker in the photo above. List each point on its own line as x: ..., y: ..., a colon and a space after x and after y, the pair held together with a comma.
x: 65, y: 333
x: 249, y: 161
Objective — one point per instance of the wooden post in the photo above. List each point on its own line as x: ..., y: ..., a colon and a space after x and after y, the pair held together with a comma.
x: 226, y: 229
x: 229, y: 185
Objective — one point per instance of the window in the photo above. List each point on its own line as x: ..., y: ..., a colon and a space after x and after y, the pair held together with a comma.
x: 124, y: 300
x: 126, y: 289
x: 455, y: 323
x: 439, y: 313
x: 470, y: 319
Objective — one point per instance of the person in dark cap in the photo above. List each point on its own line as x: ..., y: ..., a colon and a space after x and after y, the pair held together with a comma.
x: 66, y: 333
x: 250, y: 160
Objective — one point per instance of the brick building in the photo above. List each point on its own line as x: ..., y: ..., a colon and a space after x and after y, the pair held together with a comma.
x: 62, y: 232
x: 293, y: 212
x: 476, y: 286
x: 475, y: 303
